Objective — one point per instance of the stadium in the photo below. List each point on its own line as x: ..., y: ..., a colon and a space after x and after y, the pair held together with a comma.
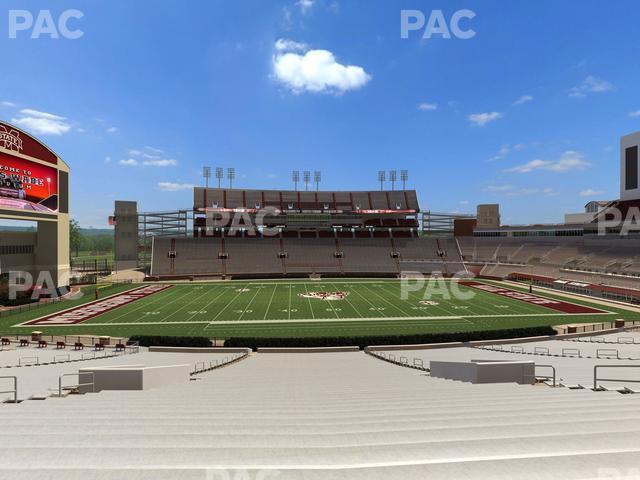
x: 346, y: 327
x: 421, y: 259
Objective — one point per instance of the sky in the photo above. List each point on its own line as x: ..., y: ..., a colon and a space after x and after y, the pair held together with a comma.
x: 527, y: 113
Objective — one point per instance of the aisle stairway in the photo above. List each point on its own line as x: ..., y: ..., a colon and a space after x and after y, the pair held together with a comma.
x: 322, y: 416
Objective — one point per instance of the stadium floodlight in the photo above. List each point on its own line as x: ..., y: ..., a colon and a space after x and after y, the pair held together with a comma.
x: 381, y: 179
x: 206, y: 174
x: 317, y: 177
x: 393, y: 176
x: 219, y: 175
x: 295, y: 177
x: 231, y: 175
x: 404, y: 177
x: 306, y: 178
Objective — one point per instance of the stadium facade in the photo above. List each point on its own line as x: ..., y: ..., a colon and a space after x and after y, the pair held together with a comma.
x: 34, y: 187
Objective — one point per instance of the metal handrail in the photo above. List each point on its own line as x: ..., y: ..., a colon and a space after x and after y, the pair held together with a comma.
x: 15, y: 388
x: 541, y: 350
x: 571, y: 352
x: 37, y: 360
x: 92, y: 384
x: 603, y: 352
x: 546, y: 376
x: 517, y: 349
x: 596, y: 379
x: 65, y: 355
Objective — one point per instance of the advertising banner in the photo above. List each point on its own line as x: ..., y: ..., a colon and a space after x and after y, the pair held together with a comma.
x: 27, y: 185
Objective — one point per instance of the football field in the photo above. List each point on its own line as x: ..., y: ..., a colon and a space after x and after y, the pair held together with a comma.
x: 308, y: 308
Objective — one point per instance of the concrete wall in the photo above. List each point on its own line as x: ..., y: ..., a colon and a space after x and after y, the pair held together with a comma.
x: 133, y: 377
x: 480, y: 371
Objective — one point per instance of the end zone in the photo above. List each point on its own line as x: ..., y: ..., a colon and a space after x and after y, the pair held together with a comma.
x: 85, y: 312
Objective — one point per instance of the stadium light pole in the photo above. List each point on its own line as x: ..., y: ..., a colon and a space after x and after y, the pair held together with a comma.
x: 206, y: 174
x: 307, y: 178
x: 231, y: 175
x: 393, y: 176
x: 381, y: 179
x: 219, y: 175
x: 404, y: 176
x: 317, y: 177
x: 295, y: 177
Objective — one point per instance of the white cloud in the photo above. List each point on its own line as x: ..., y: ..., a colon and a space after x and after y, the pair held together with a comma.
x: 153, y: 159
x: 499, y: 188
x: 506, y: 149
x: 481, y: 119
x: 427, y: 107
x: 635, y: 114
x: 42, y: 123
x: 590, y: 192
x: 174, y: 187
x: 285, y: 45
x: 511, y: 191
x: 568, y: 161
x: 112, y: 130
x: 523, y: 99
x: 6, y: 103
x: 163, y: 162
x: 129, y: 162
x: 464, y: 202
x: 305, y: 6
x: 107, y: 159
x: 590, y: 84
x: 315, y: 71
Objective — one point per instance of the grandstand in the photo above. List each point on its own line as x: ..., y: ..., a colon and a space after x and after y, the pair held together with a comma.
x: 303, y: 233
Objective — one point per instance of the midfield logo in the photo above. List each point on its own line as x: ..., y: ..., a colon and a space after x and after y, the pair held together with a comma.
x: 10, y: 139
x: 325, y: 295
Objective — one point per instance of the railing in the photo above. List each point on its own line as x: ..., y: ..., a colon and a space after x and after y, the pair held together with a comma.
x: 15, y: 388
x: 28, y: 361
x: 201, y: 367
x: 571, y: 352
x: 607, y: 353
x: 546, y: 377
x: 596, y: 379
x: 91, y: 384
x: 417, y: 363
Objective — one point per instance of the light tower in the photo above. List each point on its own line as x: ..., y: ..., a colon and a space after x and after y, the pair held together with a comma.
x: 219, y: 175
x: 306, y: 178
x: 295, y: 177
x: 404, y: 177
x: 381, y: 179
x: 206, y: 174
x: 231, y: 175
x: 393, y: 176
x: 317, y: 177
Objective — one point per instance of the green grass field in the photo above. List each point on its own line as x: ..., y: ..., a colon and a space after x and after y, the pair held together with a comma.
x: 276, y: 308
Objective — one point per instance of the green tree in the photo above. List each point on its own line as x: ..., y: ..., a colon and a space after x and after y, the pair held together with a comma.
x: 75, y: 237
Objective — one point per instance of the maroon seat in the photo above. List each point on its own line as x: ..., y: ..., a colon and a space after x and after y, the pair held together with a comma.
x: 78, y: 346
x: 24, y: 343
x: 60, y: 345
x: 42, y: 344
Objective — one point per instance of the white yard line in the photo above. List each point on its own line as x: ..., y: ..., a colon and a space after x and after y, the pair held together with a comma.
x: 387, y: 301
x: 270, y: 302
x: 249, y: 304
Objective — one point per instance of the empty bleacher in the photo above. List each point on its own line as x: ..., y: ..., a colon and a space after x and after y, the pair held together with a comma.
x: 371, y: 255
x: 319, y: 416
x: 252, y: 256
